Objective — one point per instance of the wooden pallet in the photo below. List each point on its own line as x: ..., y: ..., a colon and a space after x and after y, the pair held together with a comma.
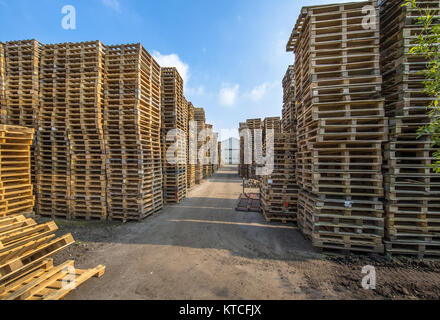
x: 3, y: 107
x: 413, y: 249
x: 283, y: 218
x: 21, y: 90
x: 85, y: 67
x: 26, y: 268
x: 242, y: 168
x: 134, y: 169
x: 22, y: 87
x: 249, y: 203
x: 174, y: 116
x: 53, y: 153
x: 16, y: 189
x: 253, y: 125
x: 220, y: 156
x: 411, y: 188
x: 340, y: 127
x: 191, y: 145
x: 49, y: 282
x: 200, y: 119
x: 278, y: 190
x: 272, y: 123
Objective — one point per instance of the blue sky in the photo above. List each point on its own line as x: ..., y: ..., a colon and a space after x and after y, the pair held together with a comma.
x: 231, y: 53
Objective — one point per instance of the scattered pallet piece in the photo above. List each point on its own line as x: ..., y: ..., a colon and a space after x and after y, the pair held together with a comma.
x: 26, y: 267
x: 49, y: 282
x: 33, y: 253
x: 17, y: 224
x: 19, y: 237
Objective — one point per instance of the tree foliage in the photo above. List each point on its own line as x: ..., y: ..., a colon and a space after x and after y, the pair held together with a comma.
x: 428, y: 45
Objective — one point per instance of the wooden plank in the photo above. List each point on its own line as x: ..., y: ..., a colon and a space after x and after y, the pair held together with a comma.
x: 16, y: 265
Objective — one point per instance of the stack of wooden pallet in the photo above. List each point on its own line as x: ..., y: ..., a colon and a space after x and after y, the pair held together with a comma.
x: 279, y: 192
x: 207, y: 168
x: 21, y: 88
x: 52, y: 150
x: 341, y: 126
x: 199, y: 118
x: 15, y: 170
x: 26, y: 265
x: 85, y: 103
x: 174, y: 117
x: 273, y: 123
x: 219, y: 154
x: 22, y: 85
x: 242, y: 168
x: 191, y: 151
x: 253, y: 125
x: 289, y: 100
x: 214, y: 156
x: 3, y: 113
x: 132, y: 125
x: 412, y: 188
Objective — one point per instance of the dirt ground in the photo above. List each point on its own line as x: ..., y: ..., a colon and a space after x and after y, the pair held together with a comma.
x: 204, y: 249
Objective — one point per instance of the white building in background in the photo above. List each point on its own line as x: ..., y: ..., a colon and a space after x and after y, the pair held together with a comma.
x: 231, y: 151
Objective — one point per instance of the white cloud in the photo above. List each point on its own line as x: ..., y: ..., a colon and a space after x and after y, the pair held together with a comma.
x: 258, y: 92
x: 173, y: 60
x: 199, y: 91
x: 228, y: 95
x: 112, y: 4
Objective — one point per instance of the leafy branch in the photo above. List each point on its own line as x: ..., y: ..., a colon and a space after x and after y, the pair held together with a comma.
x: 427, y: 44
